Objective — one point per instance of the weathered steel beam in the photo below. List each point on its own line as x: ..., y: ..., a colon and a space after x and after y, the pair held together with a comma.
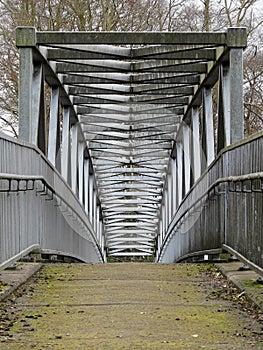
x: 132, y: 129
x: 87, y: 52
x: 130, y: 144
x: 150, y: 119
x: 156, y: 50
x: 138, y: 187
x: 113, y: 89
x: 89, y: 66
x: 99, y: 89
x: 141, y: 38
x: 165, y: 78
x: 95, y: 78
x: 178, y: 53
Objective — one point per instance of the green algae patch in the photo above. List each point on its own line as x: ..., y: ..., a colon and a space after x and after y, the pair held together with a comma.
x: 127, y: 306
x: 3, y: 287
x: 255, y: 290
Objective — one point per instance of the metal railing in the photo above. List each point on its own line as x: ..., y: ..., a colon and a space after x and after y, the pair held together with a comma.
x: 223, y: 210
x: 40, y: 210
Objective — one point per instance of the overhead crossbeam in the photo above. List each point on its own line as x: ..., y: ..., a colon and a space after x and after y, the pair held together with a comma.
x: 129, y: 95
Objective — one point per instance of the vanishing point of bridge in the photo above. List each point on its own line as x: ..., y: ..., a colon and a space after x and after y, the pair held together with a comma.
x: 131, y: 144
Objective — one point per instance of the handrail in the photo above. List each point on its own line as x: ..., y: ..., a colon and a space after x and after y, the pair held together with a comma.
x: 15, y: 177
x: 19, y: 256
x: 228, y: 180
x: 240, y: 257
x: 253, y: 176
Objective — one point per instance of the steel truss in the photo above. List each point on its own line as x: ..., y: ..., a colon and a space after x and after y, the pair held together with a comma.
x: 131, y: 94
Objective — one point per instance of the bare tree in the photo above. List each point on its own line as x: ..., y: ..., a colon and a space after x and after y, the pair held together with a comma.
x: 253, y: 91
x: 128, y: 15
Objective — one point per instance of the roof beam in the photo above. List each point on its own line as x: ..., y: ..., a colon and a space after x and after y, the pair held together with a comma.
x: 141, y: 38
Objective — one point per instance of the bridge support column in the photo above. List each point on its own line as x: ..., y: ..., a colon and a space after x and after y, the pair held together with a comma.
x: 38, y: 120
x: 163, y: 221
x: 236, y: 93
x: 208, y: 142
x: 174, y: 185
x: 91, y: 198
x: 81, y: 147
x: 160, y: 236
x: 101, y: 236
x: 196, y: 151
x: 166, y: 207
x: 86, y: 184
x: 170, y: 197
x: 74, y: 157
x: 179, y: 158
x: 26, y: 41
x: 25, y: 93
x: 223, y: 116
x: 54, y: 129
x: 66, y: 140
x: 98, y: 223
x: 187, y: 164
x: 94, y: 210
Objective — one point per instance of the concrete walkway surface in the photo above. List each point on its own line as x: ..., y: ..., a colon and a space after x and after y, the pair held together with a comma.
x: 128, y: 306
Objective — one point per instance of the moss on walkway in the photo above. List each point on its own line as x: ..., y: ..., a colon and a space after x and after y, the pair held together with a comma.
x: 124, y: 306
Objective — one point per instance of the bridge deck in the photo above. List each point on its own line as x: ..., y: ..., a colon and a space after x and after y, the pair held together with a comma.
x: 125, y: 306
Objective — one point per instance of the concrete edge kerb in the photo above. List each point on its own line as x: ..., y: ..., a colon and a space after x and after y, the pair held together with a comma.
x: 24, y: 278
x: 233, y: 278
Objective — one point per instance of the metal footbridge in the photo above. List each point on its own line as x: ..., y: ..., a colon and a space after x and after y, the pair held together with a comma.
x: 131, y: 144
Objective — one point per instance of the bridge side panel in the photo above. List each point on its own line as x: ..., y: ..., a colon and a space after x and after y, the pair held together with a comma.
x: 38, y: 209
x: 223, y: 208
